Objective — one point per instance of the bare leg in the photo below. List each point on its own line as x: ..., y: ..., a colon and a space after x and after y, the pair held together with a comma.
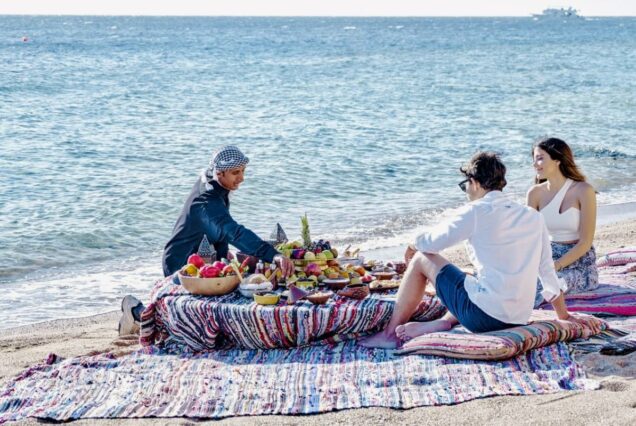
x: 413, y: 329
x: 422, y: 268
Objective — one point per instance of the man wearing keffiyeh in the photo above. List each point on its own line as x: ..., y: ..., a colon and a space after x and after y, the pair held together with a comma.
x: 207, y: 212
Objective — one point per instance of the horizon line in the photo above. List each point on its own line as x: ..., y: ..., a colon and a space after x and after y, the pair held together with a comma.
x: 299, y: 16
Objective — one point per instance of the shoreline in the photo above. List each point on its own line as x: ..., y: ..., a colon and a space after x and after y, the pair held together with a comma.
x: 608, y: 215
x: 613, y: 403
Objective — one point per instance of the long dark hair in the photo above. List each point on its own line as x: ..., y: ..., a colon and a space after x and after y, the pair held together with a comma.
x: 560, y: 151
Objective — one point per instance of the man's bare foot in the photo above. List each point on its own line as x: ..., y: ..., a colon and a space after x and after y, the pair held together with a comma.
x: 413, y: 329
x: 382, y: 340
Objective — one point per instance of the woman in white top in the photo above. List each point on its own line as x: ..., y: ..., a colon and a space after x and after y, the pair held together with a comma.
x: 568, y: 204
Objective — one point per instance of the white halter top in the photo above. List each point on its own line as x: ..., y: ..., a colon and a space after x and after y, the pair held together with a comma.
x: 562, y: 226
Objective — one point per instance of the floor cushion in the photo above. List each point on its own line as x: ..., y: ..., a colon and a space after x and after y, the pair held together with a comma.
x: 498, y: 345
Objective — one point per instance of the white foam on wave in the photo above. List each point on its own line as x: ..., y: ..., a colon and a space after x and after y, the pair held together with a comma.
x: 75, y: 295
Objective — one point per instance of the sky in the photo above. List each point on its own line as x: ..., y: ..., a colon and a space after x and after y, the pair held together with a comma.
x: 314, y: 7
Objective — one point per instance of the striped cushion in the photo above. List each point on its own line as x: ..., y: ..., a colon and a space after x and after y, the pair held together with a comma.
x: 504, y: 344
x: 618, y: 257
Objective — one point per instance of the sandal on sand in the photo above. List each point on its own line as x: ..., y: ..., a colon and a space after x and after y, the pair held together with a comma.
x: 127, y: 323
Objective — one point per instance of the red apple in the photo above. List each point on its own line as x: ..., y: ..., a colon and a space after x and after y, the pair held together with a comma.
x: 313, y: 269
x: 209, y: 271
x: 219, y: 265
x: 196, y: 260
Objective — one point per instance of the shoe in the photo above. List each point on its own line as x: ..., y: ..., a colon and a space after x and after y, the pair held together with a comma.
x: 127, y: 323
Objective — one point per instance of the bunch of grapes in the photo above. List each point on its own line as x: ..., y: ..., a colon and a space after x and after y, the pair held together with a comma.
x: 320, y: 244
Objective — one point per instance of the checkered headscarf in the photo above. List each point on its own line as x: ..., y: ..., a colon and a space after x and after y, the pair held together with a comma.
x: 226, y: 158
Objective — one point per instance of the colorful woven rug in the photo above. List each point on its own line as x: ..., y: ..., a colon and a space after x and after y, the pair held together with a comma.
x: 616, y: 295
x: 314, y: 379
x: 622, y: 345
x: 176, y: 318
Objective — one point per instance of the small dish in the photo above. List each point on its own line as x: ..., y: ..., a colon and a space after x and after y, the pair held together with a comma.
x: 319, y: 297
x: 265, y: 298
x: 381, y: 285
x: 305, y: 284
x: 398, y: 265
x: 355, y: 291
x: 336, y: 283
x: 255, y: 284
x: 383, y: 275
x: 250, y: 292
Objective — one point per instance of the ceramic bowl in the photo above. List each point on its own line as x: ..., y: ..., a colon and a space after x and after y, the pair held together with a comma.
x: 265, y: 298
x: 383, y: 275
x: 319, y: 297
x: 306, y: 284
x: 355, y: 291
x: 249, y: 290
x: 336, y: 283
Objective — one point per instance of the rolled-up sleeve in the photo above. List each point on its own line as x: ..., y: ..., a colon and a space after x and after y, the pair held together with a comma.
x: 552, y: 285
x: 217, y: 221
x: 448, y: 233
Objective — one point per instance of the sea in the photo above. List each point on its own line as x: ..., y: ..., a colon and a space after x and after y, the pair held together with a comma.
x: 361, y: 123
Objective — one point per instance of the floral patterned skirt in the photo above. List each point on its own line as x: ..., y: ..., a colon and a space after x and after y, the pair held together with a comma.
x: 581, y: 275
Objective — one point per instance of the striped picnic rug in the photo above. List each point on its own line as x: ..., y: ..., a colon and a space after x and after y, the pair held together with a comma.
x: 177, y: 318
x: 615, y: 295
x: 155, y: 383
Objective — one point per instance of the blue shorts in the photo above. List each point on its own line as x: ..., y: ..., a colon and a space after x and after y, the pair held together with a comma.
x: 449, y: 285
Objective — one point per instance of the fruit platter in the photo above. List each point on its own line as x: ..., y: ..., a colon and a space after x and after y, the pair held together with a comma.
x: 319, y: 252
x: 316, y: 262
x: 318, y: 271
x: 215, y: 279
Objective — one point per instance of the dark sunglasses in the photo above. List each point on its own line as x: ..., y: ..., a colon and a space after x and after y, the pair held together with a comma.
x: 462, y: 185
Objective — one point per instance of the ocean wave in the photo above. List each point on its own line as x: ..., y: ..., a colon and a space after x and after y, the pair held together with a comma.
x: 596, y: 152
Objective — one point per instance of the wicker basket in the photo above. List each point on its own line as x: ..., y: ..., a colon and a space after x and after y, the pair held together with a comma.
x: 209, y: 286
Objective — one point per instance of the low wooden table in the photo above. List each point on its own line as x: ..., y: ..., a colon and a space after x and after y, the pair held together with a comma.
x: 176, y: 318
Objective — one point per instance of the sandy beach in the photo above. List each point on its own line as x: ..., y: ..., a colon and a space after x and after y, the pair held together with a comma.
x: 614, y: 403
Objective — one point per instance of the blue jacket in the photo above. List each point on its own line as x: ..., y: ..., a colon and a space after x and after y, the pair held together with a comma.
x: 208, y: 212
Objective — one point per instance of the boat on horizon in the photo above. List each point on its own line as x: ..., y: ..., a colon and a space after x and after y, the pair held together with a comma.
x: 554, y: 14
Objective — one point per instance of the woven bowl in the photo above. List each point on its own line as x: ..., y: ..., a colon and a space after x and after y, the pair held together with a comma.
x: 355, y: 291
x: 209, y: 286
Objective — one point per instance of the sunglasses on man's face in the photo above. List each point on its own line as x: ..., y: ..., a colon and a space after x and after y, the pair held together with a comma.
x: 463, y: 184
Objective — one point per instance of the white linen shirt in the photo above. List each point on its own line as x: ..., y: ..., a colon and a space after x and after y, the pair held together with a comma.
x: 509, y: 246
